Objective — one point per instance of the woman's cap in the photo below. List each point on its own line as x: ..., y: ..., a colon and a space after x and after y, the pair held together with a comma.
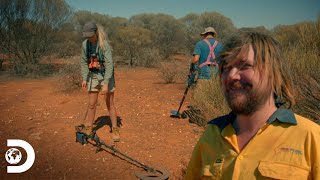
x: 89, y: 29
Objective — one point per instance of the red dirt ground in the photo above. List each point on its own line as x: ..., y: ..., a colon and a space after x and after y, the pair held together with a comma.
x: 38, y: 112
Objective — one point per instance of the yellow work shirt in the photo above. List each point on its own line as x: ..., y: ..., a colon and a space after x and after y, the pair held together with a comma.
x: 286, y: 147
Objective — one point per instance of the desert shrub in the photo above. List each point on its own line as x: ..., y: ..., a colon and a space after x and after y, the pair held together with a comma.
x: 168, y: 71
x: 133, y: 39
x: 119, y: 60
x: 302, y: 54
x: 31, y: 70
x: 182, y: 73
x: 209, y: 100
x: 67, y: 48
x: 68, y: 41
x: 70, y: 77
x: 167, y: 32
x: 149, y: 57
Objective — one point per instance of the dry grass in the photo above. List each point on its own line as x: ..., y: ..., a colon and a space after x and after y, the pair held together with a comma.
x: 210, y: 100
x: 304, y: 62
x: 173, y: 71
x: 305, y: 65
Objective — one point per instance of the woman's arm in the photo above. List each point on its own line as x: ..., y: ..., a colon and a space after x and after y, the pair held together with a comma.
x: 108, y: 63
x: 83, y: 62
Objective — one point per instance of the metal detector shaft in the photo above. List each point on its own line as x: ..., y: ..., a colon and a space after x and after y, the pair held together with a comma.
x: 117, y: 151
x: 152, y: 173
x: 99, y: 143
x: 191, y: 79
x: 184, y: 96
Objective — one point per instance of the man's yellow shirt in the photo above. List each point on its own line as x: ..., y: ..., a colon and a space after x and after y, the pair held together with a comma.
x: 286, y: 147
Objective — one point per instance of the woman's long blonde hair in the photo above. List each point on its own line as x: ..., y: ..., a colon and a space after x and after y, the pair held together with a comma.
x: 269, y: 61
x: 102, y: 37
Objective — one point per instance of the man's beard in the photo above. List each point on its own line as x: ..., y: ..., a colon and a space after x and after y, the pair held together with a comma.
x: 243, y: 98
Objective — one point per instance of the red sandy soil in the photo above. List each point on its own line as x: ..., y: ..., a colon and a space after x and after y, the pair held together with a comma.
x: 35, y: 110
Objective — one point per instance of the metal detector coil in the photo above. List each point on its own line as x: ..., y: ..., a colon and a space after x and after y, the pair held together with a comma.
x: 158, y: 174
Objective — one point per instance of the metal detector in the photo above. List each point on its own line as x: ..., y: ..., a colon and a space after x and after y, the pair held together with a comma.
x: 176, y: 113
x: 148, y: 172
x: 191, y: 81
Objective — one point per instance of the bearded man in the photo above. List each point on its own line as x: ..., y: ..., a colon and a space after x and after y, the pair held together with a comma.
x: 261, y: 138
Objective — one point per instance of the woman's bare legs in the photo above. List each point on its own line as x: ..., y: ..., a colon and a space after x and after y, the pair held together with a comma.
x: 109, y: 97
x: 92, y: 106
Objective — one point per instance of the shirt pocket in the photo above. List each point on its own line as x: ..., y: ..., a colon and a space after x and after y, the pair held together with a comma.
x: 213, y: 171
x: 273, y: 170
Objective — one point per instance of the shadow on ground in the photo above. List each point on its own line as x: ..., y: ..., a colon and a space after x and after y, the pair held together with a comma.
x: 106, y: 121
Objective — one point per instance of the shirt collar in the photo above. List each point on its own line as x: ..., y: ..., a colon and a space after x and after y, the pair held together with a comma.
x: 223, y: 121
x: 281, y: 114
x: 284, y: 116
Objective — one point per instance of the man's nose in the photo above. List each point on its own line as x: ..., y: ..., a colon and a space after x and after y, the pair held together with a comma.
x: 234, y: 74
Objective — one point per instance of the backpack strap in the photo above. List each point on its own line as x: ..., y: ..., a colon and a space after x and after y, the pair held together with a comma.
x: 211, y: 54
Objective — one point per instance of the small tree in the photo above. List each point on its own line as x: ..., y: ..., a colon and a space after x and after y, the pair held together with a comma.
x: 167, y: 32
x: 132, y: 40
x: 28, y: 28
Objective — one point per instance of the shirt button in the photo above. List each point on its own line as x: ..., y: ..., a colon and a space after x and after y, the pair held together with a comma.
x: 240, y: 157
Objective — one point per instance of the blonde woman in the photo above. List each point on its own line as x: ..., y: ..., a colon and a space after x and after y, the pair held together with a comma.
x: 97, y: 71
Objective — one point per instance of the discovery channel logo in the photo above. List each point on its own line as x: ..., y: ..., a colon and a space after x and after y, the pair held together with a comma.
x: 14, y: 156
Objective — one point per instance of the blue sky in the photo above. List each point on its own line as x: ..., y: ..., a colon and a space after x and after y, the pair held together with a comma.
x: 243, y: 13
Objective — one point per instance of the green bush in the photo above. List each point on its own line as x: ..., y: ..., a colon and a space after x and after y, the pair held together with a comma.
x: 70, y: 77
